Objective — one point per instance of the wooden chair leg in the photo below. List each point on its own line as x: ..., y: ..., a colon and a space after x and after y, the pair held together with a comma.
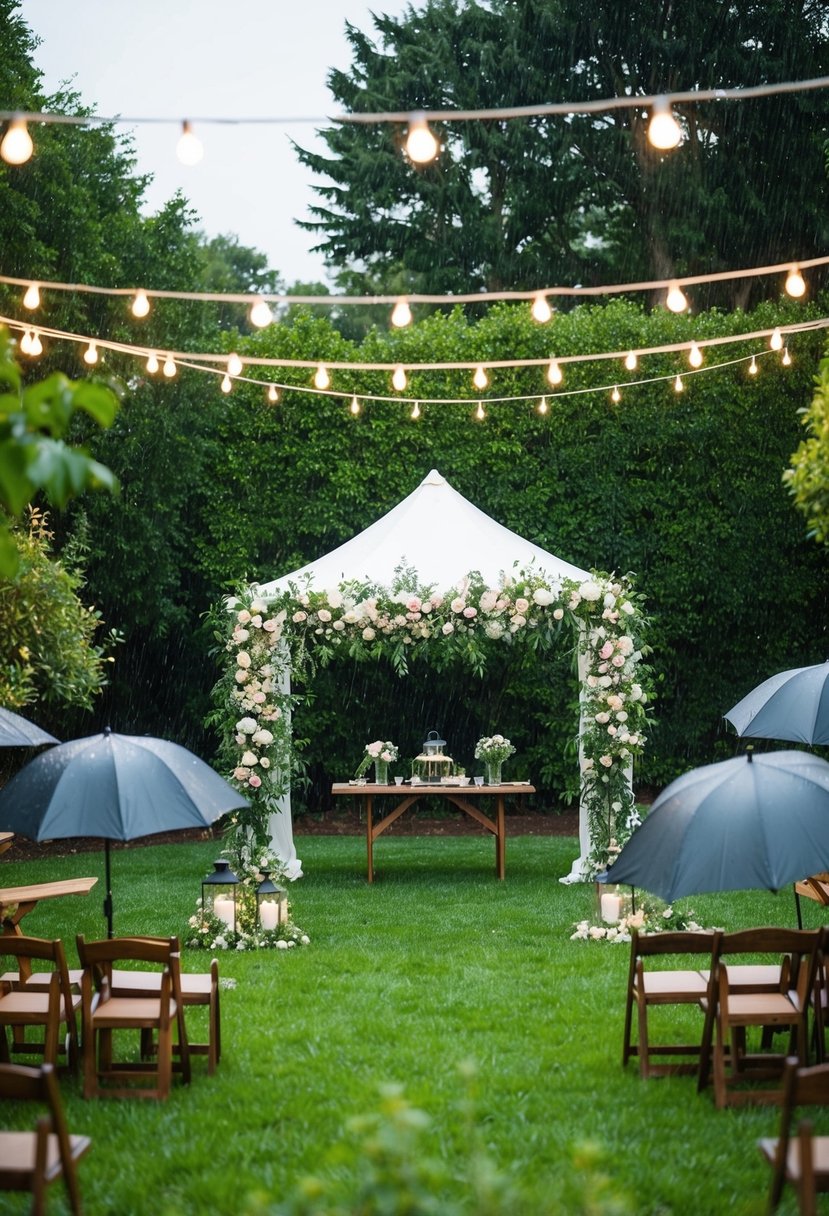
x: 165, y: 1060
x: 644, y: 1058
x: 626, y: 1050
x: 41, y: 1159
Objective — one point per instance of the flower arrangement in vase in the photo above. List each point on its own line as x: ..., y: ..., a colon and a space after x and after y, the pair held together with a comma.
x: 493, y: 750
x: 380, y: 753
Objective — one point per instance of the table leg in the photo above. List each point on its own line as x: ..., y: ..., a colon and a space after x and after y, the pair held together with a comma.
x: 369, y: 837
x: 500, y: 838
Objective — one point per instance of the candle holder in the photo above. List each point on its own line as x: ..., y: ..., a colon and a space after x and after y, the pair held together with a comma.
x: 218, y: 893
x: 611, y: 903
x: 271, y: 903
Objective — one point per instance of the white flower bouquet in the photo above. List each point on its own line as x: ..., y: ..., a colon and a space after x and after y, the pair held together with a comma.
x: 493, y: 749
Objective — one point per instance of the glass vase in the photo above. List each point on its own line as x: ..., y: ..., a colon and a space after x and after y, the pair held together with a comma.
x: 493, y: 772
x: 381, y: 772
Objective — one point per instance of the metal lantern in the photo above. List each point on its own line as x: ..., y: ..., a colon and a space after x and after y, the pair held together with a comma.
x: 271, y: 903
x: 218, y: 893
x: 431, y: 765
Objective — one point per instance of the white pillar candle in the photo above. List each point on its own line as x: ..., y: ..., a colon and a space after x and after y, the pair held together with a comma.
x: 224, y: 908
x: 611, y: 909
x: 269, y: 914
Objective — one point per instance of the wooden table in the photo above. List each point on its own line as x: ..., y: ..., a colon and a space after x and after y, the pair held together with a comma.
x: 17, y: 902
x: 464, y: 797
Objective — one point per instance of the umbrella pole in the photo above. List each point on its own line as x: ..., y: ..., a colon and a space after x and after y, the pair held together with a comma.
x: 108, y: 885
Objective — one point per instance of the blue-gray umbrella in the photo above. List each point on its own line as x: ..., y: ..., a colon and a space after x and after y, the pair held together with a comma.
x: 117, y: 787
x: 756, y: 821
x: 17, y: 731
x: 792, y: 705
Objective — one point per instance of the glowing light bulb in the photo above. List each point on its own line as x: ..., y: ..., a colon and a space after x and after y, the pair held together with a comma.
x: 227, y: 383
x: 542, y: 406
x: 678, y: 385
x: 398, y: 379
x: 786, y: 360
x: 795, y: 285
x: 695, y: 355
x: 260, y: 314
x: 752, y: 367
x: 90, y: 355
x: 480, y: 413
x: 480, y: 379
x: 676, y: 300
x: 36, y: 346
x: 169, y: 367
x: 152, y: 363
x: 17, y: 145
x: 541, y: 310
x: 401, y: 314
x: 416, y: 410
x: 616, y: 396
x: 273, y: 394
x: 355, y: 406
x: 554, y: 374
x: 321, y: 377
x: 776, y: 340
x: 140, y: 303
x: 631, y: 361
x: 189, y: 149
x: 664, y: 132
x: 421, y: 145
x: 32, y: 297
x: 234, y: 364
x: 26, y: 342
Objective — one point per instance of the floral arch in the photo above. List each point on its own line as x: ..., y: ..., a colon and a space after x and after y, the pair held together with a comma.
x: 265, y: 639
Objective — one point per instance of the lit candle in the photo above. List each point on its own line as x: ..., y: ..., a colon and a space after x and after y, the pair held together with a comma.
x: 269, y: 914
x: 611, y: 909
x: 224, y: 908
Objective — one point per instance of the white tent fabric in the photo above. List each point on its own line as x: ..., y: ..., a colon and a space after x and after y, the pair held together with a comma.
x: 438, y: 532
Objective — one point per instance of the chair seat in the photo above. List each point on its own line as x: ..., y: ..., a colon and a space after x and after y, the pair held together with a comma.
x: 17, y: 1154
x: 773, y: 1007
x: 674, y: 984
x: 764, y: 976
x: 134, y: 983
x: 38, y: 979
x: 820, y: 1154
x: 128, y: 1011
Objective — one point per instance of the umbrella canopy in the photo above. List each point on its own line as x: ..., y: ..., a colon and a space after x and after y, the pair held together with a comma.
x: 115, y: 786
x: 753, y: 821
x: 17, y: 731
x: 791, y: 705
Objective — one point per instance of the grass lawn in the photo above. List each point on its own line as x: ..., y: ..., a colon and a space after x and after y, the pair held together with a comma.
x: 466, y: 992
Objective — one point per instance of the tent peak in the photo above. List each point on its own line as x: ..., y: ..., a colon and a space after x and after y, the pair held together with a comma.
x: 433, y: 478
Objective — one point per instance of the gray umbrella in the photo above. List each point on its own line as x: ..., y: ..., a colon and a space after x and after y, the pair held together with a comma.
x: 791, y: 705
x: 117, y: 787
x: 754, y: 821
x: 17, y: 731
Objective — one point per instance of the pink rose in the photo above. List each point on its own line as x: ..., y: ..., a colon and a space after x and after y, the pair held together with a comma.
x: 240, y: 773
x: 457, y: 604
x: 470, y: 612
x: 618, y: 660
x: 448, y: 628
x: 522, y: 606
x: 606, y: 650
x: 298, y: 617
x: 254, y: 781
x: 606, y: 761
x: 324, y: 615
x: 413, y: 603
x: 243, y: 617
x: 270, y: 625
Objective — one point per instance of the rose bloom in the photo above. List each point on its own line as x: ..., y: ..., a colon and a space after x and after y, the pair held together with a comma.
x: 324, y: 615
x: 457, y: 604
x: 241, y: 676
x: 625, y: 645
x: 448, y: 628
x: 259, y: 698
x: 243, y: 617
x: 271, y: 625
x: 241, y: 635
x: 254, y: 781
x: 558, y: 614
x: 606, y: 650
x: 250, y: 759
x: 606, y: 761
x: 256, y: 621
x: 298, y: 617
x: 241, y: 774
x: 618, y: 660
x: 614, y: 701
x: 518, y: 622
x: 413, y: 603
x: 265, y: 762
x: 621, y: 716
x: 602, y: 718
x: 246, y: 726
x: 263, y: 737
x: 334, y: 598
x: 522, y: 606
x: 635, y: 692
x: 592, y: 682
x: 488, y: 601
x: 368, y: 634
x: 469, y: 612
x: 243, y: 659
x: 610, y: 600
x: 339, y: 626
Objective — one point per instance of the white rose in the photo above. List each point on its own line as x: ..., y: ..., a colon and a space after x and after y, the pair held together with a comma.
x: 243, y: 658
x: 249, y: 759
x: 625, y: 645
x: 621, y: 716
x: 558, y: 614
x: 458, y: 604
x: 448, y: 628
x: 369, y: 634
x: 324, y: 615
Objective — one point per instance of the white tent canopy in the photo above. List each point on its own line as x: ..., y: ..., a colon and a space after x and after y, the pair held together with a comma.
x: 439, y: 533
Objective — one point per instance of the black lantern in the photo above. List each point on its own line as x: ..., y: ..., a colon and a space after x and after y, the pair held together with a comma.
x: 218, y: 893
x: 271, y: 903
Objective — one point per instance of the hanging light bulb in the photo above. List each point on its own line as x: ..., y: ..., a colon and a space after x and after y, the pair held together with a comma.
x: 273, y: 394
x: 676, y: 300
x: 169, y: 367
x: 90, y: 355
x: 421, y: 145
x: 398, y: 379
x: 140, y: 303
x: 480, y: 379
x: 695, y: 355
x: 26, y: 342
x: 776, y: 340
x: 541, y: 310
x: 227, y: 383
x: 480, y: 414
x: 189, y: 148
x: 616, y: 396
x: 234, y: 364
x: 678, y: 385
x: 664, y: 132
x: 542, y: 406
x: 260, y: 314
x: 786, y: 360
x: 795, y: 284
x: 152, y: 363
x: 554, y: 374
x: 631, y: 361
x: 321, y: 377
x: 31, y: 299
x: 355, y: 406
x: 752, y: 367
x: 401, y: 314
x: 17, y: 145
x: 416, y: 410
x: 36, y: 346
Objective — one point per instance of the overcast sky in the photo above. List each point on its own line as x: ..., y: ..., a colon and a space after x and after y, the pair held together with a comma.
x: 185, y: 58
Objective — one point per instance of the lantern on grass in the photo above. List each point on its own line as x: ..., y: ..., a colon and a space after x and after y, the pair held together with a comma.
x: 218, y: 893
x: 271, y: 903
x: 613, y: 902
x: 431, y: 765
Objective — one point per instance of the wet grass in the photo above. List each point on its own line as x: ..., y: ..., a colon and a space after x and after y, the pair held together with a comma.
x: 434, y: 966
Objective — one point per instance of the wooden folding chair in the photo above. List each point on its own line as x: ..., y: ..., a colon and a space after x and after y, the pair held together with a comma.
x: 30, y: 1161
x: 154, y: 1015
x: 649, y: 986
x: 732, y: 1011
x: 51, y: 1002
x: 801, y: 1159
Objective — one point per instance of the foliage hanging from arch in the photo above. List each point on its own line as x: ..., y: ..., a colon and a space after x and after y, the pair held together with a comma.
x: 262, y: 643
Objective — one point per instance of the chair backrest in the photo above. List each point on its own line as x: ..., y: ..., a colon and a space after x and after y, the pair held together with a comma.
x: 25, y: 949
x: 675, y: 942
x: 99, y: 957
x: 20, y: 1083
x: 801, y: 1087
x: 800, y: 946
